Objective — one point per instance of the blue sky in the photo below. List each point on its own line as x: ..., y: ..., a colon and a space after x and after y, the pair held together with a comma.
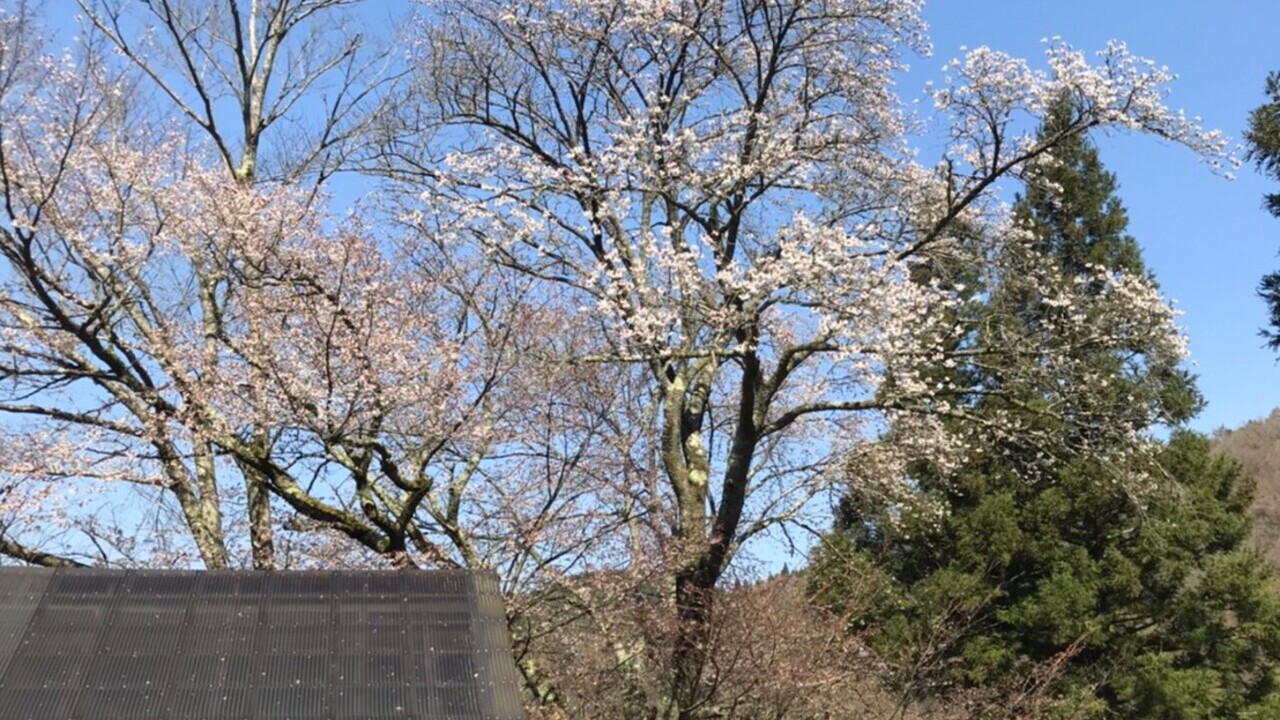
x: 1207, y: 240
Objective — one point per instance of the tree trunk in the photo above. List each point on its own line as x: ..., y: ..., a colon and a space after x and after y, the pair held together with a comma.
x: 261, y: 538
x: 696, y: 582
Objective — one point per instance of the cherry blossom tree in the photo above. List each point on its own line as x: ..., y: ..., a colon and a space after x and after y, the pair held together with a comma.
x: 200, y: 354
x: 208, y: 361
x: 727, y: 192
x: 291, y: 62
x: 206, y: 367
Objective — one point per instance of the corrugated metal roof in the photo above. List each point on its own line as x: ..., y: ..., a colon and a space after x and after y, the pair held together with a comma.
x: 125, y: 645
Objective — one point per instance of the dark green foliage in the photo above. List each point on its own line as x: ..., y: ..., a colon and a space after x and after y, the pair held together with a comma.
x: 1072, y: 208
x: 1154, y: 607
x: 1263, y: 137
x: 1113, y: 585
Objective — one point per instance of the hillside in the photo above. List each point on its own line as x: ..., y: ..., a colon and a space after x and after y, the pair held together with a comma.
x: 1256, y: 445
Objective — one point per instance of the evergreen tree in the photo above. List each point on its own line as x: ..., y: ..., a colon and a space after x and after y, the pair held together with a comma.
x: 1101, y: 587
x: 1263, y: 137
x: 1075, y: 220
x: 1072, y: 209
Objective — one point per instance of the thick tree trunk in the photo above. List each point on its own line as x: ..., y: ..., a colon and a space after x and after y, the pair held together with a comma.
x: 694, y: 598
x: 696, y: 582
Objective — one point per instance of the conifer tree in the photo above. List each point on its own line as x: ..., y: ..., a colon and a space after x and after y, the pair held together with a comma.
x: 1263, y: 137
x: 1090, y: 587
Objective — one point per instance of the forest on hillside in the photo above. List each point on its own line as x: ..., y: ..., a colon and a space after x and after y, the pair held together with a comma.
x: 615, y: 299
x: 1254, y: 445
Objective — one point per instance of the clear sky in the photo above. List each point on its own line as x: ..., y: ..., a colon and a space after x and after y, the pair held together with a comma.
x: 1207, y: 240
